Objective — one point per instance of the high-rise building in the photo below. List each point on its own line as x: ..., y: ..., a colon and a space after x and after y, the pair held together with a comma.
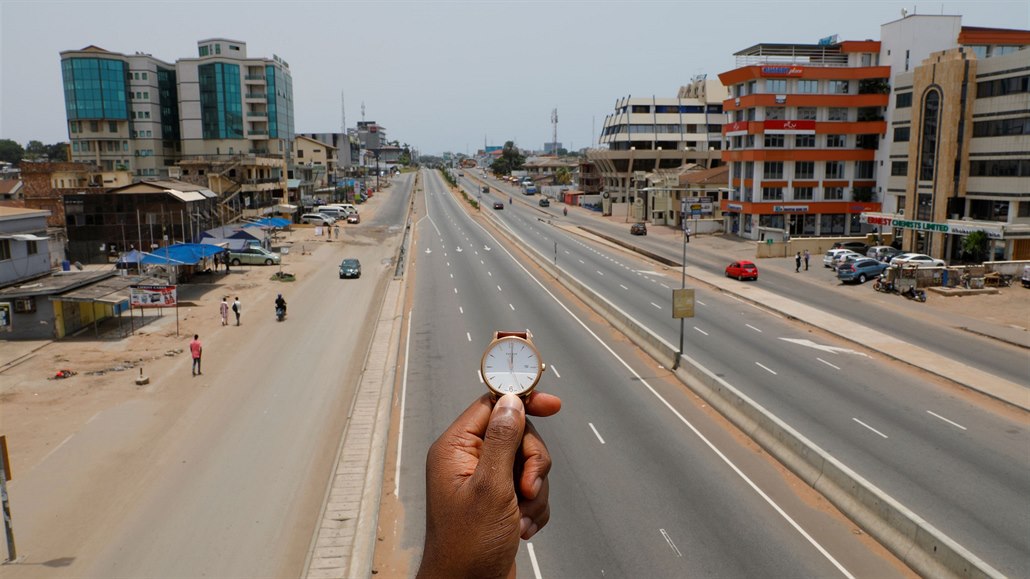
x: 804, y: 124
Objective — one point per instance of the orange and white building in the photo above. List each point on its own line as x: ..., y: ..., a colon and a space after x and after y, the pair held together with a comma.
x: 804, y: 122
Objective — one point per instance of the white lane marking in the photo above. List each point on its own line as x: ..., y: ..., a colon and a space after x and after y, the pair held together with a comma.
x: 869, y: 427
x: 753, y: 328
x: 700, y: 330
x: 830, y: 349
x: 555, y: 370
x: 404, y: 396
x: 702, y: 303
x: 767, y: 369
x: 656, y: 305
x: 482, y: 262
x: 498, y: 288
x: 955, y: 424
x: 679, y: 416
x: 469, y: 336
x: 461, y: 310
x: 596, y: 433
x: 452, y: 276
x: 512, y: 307
x: 668, y: 540
x: 599, y: 272
x: 567, y: 252
x: 62, y: 443
x: 623, y: 287
x: 581, y: 261
x: 828, y: 364
x: 455, y: 290
x: 532, y: 559
x: 665, y: 286
x: 490, y: 274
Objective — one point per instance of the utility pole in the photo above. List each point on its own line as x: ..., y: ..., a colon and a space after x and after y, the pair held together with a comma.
x: 554, y: 134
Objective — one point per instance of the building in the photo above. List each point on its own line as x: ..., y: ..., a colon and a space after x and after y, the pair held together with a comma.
x: 11, y: 192
x: 245, y: 184
x: 348, y: 150
x: 552, y: 148
x: 141, y: 114
x: 957, y: 157
x: 24, y: 245
x: 47, y: 183
x: 314, y: 162
x: 804, y: 123
x: 646, y: 134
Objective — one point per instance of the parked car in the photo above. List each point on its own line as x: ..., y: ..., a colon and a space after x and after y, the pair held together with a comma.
x: 544, y: 202
x: 1026, y: 276
x: 882, y: 252
x: 317, y: 219
x: 354, y: 218
x: 742, y: 270
x: 831, y: 255
x: 917, y: 259
x: 350, y: 268
x: 856, y: 246
x: 860, y: 270
x: 846, y: 258
x: 498, y: 204
x: 253, y: 255
x: 638, y: 229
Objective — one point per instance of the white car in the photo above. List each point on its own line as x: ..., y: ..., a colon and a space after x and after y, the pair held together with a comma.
x: 317, y: 219
x: 918, y: 260
x: 831, y: 257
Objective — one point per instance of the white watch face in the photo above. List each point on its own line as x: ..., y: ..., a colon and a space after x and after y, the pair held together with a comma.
x: 511, y: 365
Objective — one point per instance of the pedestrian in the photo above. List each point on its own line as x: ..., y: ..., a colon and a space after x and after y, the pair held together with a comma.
x: 195, y: 350
x: 236, y: 309
x: 224, y: 310
x: 216, y: 263
x: 226, y: 260
x: 807, y: 255
x: 797, y: 262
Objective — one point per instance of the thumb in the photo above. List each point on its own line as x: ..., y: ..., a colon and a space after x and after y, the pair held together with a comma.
x: 503, y: 437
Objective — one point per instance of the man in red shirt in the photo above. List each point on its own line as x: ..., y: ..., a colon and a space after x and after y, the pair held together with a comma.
x: 195, y: 350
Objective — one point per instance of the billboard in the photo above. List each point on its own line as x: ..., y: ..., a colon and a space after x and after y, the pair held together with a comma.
x: 152, y: 296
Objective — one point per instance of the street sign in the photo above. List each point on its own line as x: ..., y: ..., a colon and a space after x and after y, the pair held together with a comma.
x: 683, y: 303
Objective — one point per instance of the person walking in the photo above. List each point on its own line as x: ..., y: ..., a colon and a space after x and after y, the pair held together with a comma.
x: 195, y: 350
x: 807, y: 256
x: 237, y: 309
x: 224, y: 310
x: 225, y: 258
x: 797, y: 262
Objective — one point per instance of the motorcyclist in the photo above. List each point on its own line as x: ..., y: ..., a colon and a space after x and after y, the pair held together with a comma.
x: 280, y: 303
x: 565, y: 211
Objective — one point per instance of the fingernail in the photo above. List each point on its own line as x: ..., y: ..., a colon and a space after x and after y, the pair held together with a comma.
x: 539, y: 482
x: 524, y: 525
x: 532, y: 531
x: 510, y: 401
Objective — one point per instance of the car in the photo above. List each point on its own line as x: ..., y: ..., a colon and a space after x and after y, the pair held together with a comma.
x: 354, y: 218
x: 917, y: 259
x: 831, y: 255
x: 856, y: 246
x: 317, y: 219
x: 882, y: 252
x: 847, y: 257
x: 498, y: 204
x: 350, y: 267
x: 544, y: 202
x: 1025, y: 279
x: 253, y: 255
x: 742, y: 270
x: 860, y: 270
x: 638, y: 229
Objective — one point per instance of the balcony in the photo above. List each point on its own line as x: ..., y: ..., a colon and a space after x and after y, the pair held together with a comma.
x: 254, y: 78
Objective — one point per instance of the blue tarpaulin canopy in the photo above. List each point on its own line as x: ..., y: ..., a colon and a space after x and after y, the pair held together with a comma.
x: 270, y: 222
x: 181, y: 254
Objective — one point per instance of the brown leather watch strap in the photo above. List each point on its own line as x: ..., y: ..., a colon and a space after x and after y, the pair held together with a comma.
x: 524, y: 335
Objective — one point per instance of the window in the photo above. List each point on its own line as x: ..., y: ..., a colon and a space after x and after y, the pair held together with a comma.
x: 772, y: 193
x: 776, y: 86
x: 752, y: 87
x: 808, y: 86
x: 901, y: 134
x: 899, y: 168
x: 834, y: 169
x: 833, y: 193
x: 1003, y: 86
x: 802, y: 193
x: 144, y: 75
x: 203, y: 51
x: 749, y: 169
x: 836, y: 141
x: 806, y: 113
x: 771, y: 221
x: 1000, y: 168
x: 837, y: 114
x: 773, y: 169
x: 94, y: 126
x: 751, y: 114
x: 774, y: 141
x: 838, y: 86
x: 640, y: 109
x: 1002, y: 128
x: 903, y: 100
x: 775, y: 113
x: 32, y: 247
x: 928, y: 140
x: 831, y: 224
x: 5, y: 249
x: 865, y: 170
x: 866, y: 59
x: 804, y: 141
x: 112, y: 127
x: 804, y: 170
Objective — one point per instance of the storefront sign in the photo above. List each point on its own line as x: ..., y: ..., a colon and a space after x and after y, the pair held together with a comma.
x: 736, y: 129
x: 782, y: 71
x: 887, y: 220
x: 152, y: 296
x: 790, y: 208
x: 789, y: 127
x: 734, y: 207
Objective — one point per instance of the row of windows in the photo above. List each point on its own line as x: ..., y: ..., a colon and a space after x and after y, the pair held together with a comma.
x: 775, y: 170
x: 142, y: 134
x: 141, y: 114
x: 803, y: 194
x: 831, y: 114
x: 671, y: 109
x: 800, y: 141
x: 668, y: 129
x: 1000, y: 168
x: 100, y: 146
x: 140, y: 95
x: 139, y: 76
x: 784, y: 86
x: 1002, y: 127
x: 94, y: 88
x: 1003, y: 86
x: 75, y: 127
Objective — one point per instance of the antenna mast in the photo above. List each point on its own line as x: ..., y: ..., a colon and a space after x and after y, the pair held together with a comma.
x: 554, y: 137
x: 343, y: 113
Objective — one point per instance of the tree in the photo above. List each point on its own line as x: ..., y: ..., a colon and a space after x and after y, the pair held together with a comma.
x: 563, y: 176
x: 35, y: 150
x: 11, y: 151
x: 511, y: 159
x: 57, y: 152
x: 975, y: 245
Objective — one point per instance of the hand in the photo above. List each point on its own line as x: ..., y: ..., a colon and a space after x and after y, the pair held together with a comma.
x: 486, y: 486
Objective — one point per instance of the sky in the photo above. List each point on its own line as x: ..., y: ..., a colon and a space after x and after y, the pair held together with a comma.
x: 442, y: 76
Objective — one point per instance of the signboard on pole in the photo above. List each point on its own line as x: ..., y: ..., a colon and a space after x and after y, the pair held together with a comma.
x: 152, y: 296
x: 683, y: 303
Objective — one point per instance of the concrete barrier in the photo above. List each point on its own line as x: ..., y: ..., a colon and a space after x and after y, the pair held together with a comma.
x: 908, y: 536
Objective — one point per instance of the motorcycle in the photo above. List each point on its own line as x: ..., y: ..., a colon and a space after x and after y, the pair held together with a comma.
x: 280, y: 313
x: 916, y: 294
x: 882, y: 285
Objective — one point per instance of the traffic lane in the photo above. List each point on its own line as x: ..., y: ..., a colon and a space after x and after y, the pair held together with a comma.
x: 564, y: 341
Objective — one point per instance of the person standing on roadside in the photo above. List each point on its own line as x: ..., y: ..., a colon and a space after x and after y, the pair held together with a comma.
x: 797, y: 262
x: 807, y: 255
x: 195, y: 350
x: 225, y: 258
x: 237, y: 309
x: 224, y: 310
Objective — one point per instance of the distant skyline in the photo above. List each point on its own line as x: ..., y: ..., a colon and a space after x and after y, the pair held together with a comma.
x: 442, y: 76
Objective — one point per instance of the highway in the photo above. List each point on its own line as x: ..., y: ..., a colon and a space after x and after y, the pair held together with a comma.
x: 646, y: 482
x: 956, y: 461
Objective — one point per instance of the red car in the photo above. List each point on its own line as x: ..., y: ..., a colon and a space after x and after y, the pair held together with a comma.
x: 742, y: 270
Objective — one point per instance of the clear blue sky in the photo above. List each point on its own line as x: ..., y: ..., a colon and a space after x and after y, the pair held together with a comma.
x: 442, y: 76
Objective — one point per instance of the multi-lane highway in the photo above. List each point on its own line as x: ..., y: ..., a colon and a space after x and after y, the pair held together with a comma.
x: 646, y: 482
x: 961, y: 465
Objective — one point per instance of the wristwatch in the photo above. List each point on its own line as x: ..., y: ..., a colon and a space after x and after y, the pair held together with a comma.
x: 511, y: 364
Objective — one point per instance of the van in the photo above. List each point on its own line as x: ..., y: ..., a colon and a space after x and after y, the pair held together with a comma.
x: 349, y: 208
x: 336, y: 213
